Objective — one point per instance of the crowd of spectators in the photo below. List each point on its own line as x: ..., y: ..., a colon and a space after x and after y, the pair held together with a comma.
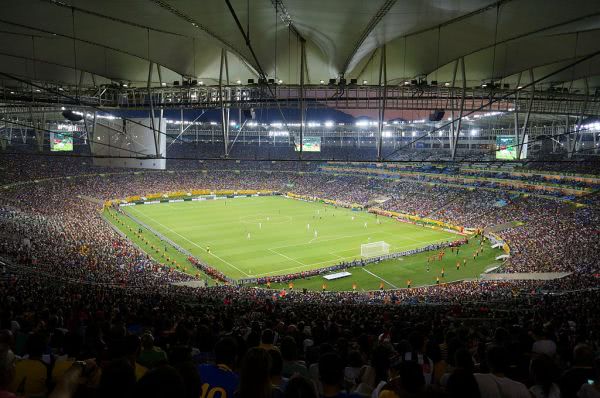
x: 83, y: 312
x: 544, y: 234
x: 111, y: 341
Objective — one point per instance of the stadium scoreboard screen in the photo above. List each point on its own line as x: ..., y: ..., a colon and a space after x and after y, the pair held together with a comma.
x: 507, y: 147
x: 61, y: 141
x: 61, y: 137
x: 309, y: 144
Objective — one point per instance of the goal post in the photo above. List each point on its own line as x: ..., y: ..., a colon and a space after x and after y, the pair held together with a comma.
x: 374, y: 249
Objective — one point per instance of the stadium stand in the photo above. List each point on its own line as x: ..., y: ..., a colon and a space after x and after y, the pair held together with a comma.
x: 99, y: 292
x: 309, y: 165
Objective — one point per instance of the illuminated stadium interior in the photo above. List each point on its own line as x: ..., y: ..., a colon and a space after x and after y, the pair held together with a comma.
x: 292, y: 198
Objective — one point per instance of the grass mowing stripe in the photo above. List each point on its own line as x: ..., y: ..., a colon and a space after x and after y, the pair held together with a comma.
x: 193, y: 243
x: 280, y: 224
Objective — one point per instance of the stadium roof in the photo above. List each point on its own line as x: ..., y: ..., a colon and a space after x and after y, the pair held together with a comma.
x: 113, y: 40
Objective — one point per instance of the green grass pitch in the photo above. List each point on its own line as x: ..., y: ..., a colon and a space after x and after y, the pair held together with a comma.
x: 261, y: 236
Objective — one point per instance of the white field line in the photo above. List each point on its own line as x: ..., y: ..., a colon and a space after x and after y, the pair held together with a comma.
x: 193, y: 243
x: 333, y: 254
x: 307, y: 266
x: 289, y: 258
x: 329, y: 261
x: 327, y: 240
x: 261, y: 217
x: 303, y: 265
x: 380, y: 278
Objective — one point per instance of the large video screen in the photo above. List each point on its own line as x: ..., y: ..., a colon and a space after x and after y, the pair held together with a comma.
x: 506, y: 147
x: 61, y: 141
x: 310, y: 144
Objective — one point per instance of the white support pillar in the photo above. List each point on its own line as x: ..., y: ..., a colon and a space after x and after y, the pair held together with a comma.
x: 39, y: 128
x: 516, y: 107
x: 160, y: 81
x: 80, y: 85
x: 521, y: 136
x: 577, y: 135
x: 224, y: 69
x: 462, y: 106
x: 567, y: 135
x: 23, y: 132
x: 156, y: 134
x: 4, y: 137
x: 451, y: 132
x: 382, y: 101
x: 88, y: 136
x: 302, y: 104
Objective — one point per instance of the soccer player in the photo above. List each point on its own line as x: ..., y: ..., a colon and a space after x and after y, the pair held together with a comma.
x: 458, y: 265
x: 259, y: 225
x: 381, y: 285
x: 291, y: 285
x: 365, y: 225
x: 352, y: 218
x: 354, y: 286
x: 464, y: 261
x: 408, y: 283
x: 248, y: 237
x: 307, y: 227
x: 208, y: 249
x: 316, y: 234
x: 428, y: 266
x: 323, y: 287
x: 437, y: 280
x: 443, y: 272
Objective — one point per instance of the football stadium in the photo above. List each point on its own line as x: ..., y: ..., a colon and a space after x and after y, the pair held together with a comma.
x: 290, y: 198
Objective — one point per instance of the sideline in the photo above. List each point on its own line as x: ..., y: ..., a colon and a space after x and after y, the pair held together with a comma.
x: 193, y: 243
x: 380, y: 278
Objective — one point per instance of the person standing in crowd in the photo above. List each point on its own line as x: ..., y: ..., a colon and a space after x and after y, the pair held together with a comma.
x: 150, y: 355
x: 543, y: 373
x: 495, y: 384
x: 591, y: 388
x: 7, y: 372
x: 331, y: 376
x: 578, y: 374
x: 255, y: 381
x: 220, y: 376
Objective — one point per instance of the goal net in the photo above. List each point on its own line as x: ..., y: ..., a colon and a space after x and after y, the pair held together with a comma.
x: 374, y: 249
